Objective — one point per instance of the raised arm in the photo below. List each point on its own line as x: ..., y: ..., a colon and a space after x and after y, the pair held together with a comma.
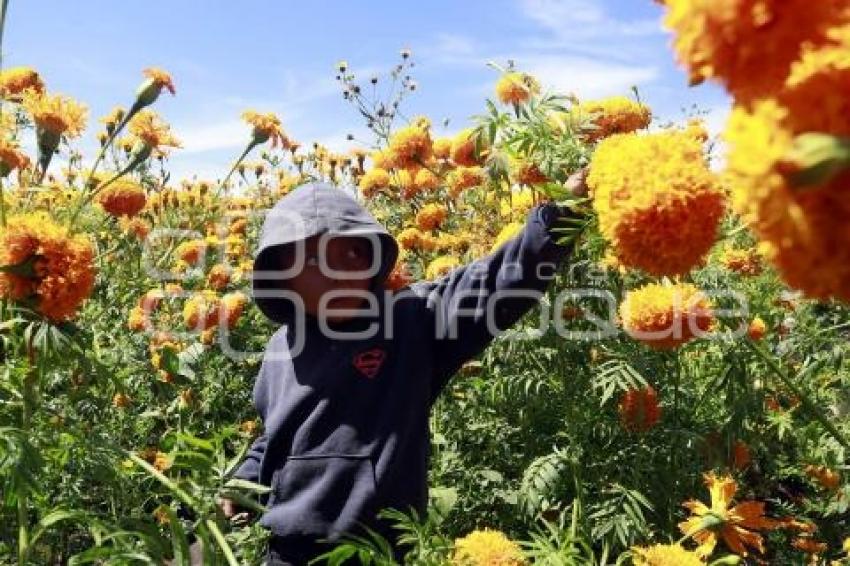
x: 474, y: 303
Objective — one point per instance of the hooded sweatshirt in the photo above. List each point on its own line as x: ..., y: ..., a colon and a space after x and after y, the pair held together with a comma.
x: 346, y: 420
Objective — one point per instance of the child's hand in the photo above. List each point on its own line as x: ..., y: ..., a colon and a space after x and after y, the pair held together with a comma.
x: 232, y: 511
x: 576, y: 184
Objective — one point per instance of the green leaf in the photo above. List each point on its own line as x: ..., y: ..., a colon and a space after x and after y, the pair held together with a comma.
x: 817, y: 158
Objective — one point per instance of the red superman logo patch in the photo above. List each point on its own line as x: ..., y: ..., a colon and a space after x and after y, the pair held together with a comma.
x: 369, y: 362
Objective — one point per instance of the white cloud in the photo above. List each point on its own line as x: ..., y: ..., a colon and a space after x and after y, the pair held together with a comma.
x: 582, y: 19
x: 587, y: 78
x: 199, y: 138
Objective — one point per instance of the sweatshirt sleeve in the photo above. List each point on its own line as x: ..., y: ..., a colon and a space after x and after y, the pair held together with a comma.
x: 250, y: 468
x: 507, y: 283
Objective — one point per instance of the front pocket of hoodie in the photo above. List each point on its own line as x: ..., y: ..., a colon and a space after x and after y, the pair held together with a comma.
x: 321, y: 495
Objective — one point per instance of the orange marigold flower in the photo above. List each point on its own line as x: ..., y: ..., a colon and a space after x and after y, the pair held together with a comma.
x: 11, y: 157
x: 15, y: 80
x: 249, y: 427
x: 373, y: 181
x: 383, y: 159
x: 736, y: 525
x: 219, y: 277
x: 160, y: 78
x: 121, y: 401
x: 527, y: 173
x: 431, y: 216
x: 138, y: 319
x: 56, y: 114
x: 757, y: 328
x: 659, y: 204
x: 464, y: 178
x: 809, y: 545
x: 748, y: 45
x: 266, y: 127
x: 464, y: 151
x: 411, y: 146
x: 162, y: 461
x: 136, y: 226
x: 665, y: 555
x: 442, y: 148
x: 415, y: 239
x: 123, y: 197
x: 398, y: 278
x: 516, y: 88
x: 639, y: 409
x: 666, y: 316
x: 743, y: 261
x: 425, y: 180
x: 741, y: 456
x: 200, y: 311
x: 147, y: 127
x: 192, y: 251
x: 234, y: 305
x: 599, y: 119
x: 486, y: 548
x: 46, y: 266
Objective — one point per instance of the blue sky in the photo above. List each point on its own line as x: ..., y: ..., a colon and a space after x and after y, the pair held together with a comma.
x: 279, y: 56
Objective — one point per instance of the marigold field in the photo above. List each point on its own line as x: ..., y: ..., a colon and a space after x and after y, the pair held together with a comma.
x: 685, y: 401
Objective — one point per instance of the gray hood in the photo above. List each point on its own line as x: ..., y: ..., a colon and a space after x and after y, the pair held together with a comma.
x: 321, y: 208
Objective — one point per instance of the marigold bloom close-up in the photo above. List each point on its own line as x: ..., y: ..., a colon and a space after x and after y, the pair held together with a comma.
x: 527, y: 173
x: 373, y: 181
x: 160, y: 78
x: 122, y: 198
x: 266, y: 127
x: 55, y: 113
x: 487, y: 548
x: 743, y: 261
x: 748, y: 45
x: 11, y: 157
x: 516, y: 88
x: 639, y: 409
x: 464, y: 178
x: 468, y: 150
x: 411, y: 146
x: 431, y: 216
x: 666, y: 316
x: 15, y: 80
x: 51, y: 270
x: 200, y: 311
x: 147, y: 127
x: 658, y: 203
x: 736, y: 525
x: 665, y: 555
x: 608, y: 116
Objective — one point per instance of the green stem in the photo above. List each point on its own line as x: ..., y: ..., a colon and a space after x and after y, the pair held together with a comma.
x: 26, y: 423
x: 805, y: 401
x: 242, y: 157
x: 222, y: 542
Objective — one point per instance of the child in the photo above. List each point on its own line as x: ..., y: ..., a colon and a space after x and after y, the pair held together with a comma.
x: 345, y: 391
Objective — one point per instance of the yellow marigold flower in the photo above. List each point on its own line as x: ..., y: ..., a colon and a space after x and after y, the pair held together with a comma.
x: 383, y: 159
x: 527, y: 173
x: 737, y: 525
x: 442, y: 148
x: 441, y: 266
x: 191, y: 251
x: 743, y: 261
x: 411, y: 238
x: 218, y: 277
x: 121, y: 401
x: 516, y: 88
x: 249, y: 427
x: 757, y: 328
x: 114, y: 117
x: 599, y: 119
x: 122, y: 198
x: 464, y: 178
x: 49, y: 267
x: 463, y: 150
x: 846, y: 546
x: 665, y: 555
x: 666, y: 316
x: 411, y: 146
x: 138, y: 319
x: 748, y: 45
x: 200, y: 311
x: 425, y: 180
x: 801, y: 231
x: 518, y: 204
x: 658, y: 203
x: 56, y: 114
x: 487, y: 548
x: 373, y: 181
x: 505, y: 234
x: 398, y: 278
x: 160, y: 78
x: 162, y: 461
x: 431, y: 216
x: 15, y: 80
x: 234, y: 305
x: 11, y: 157
x: 150, y: 129
x: 266, y: 127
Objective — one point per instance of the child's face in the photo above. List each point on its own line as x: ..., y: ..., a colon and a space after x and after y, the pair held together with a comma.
x: 341, y: 253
